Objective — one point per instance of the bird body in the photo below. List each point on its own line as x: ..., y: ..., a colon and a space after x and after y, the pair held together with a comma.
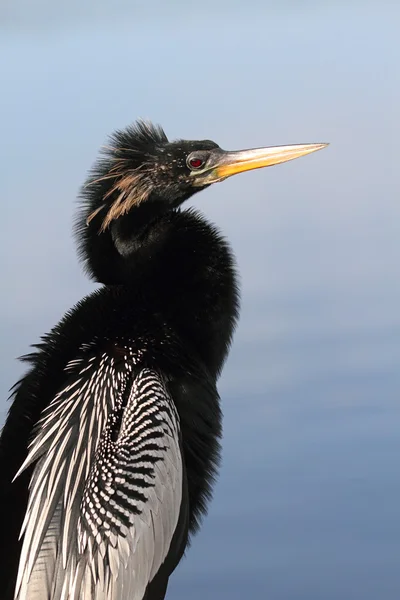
x: 111, y: 445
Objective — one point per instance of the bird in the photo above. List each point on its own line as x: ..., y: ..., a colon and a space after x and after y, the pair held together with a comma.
x: 112, y: 441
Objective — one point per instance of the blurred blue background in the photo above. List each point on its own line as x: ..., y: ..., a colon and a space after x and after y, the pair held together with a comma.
x: 307, y: 505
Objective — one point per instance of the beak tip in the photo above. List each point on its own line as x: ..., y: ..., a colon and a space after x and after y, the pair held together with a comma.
x: 317, y: 147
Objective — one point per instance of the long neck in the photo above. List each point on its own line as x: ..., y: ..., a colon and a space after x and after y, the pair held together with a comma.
x: 177, y: 263
x: 110, y: 256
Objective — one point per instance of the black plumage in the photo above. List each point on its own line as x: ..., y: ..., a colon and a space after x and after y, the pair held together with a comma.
x: 114, y: 431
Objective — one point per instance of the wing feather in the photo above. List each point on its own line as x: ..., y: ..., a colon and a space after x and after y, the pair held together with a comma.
x: 106, y: 489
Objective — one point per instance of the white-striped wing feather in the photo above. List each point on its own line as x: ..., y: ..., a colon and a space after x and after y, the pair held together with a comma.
x: 106, y: 490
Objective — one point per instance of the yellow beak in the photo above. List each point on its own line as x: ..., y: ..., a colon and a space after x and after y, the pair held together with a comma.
x: 225, y: 164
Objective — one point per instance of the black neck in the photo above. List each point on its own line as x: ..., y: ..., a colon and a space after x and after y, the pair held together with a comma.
x: 114, y: 256
x: 176, y: 265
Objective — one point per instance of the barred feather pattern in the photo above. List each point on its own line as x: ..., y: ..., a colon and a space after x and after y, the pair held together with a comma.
x: 106, y: 489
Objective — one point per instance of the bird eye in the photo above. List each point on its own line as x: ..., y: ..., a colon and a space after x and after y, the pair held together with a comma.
x: 196, y: 163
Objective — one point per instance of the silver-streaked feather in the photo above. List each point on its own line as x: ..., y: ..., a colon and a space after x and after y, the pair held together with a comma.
x: 106, y: 490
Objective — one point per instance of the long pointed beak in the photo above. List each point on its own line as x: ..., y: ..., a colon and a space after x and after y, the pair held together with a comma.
x: 231, y: 163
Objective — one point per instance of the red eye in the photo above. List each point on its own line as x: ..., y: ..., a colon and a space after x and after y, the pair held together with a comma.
x: 195, y: 163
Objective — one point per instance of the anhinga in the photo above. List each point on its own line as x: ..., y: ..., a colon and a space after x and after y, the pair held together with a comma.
x: 111, y: 444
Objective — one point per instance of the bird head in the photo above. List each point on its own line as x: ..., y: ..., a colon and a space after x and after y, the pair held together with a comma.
x: 140, y: 165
